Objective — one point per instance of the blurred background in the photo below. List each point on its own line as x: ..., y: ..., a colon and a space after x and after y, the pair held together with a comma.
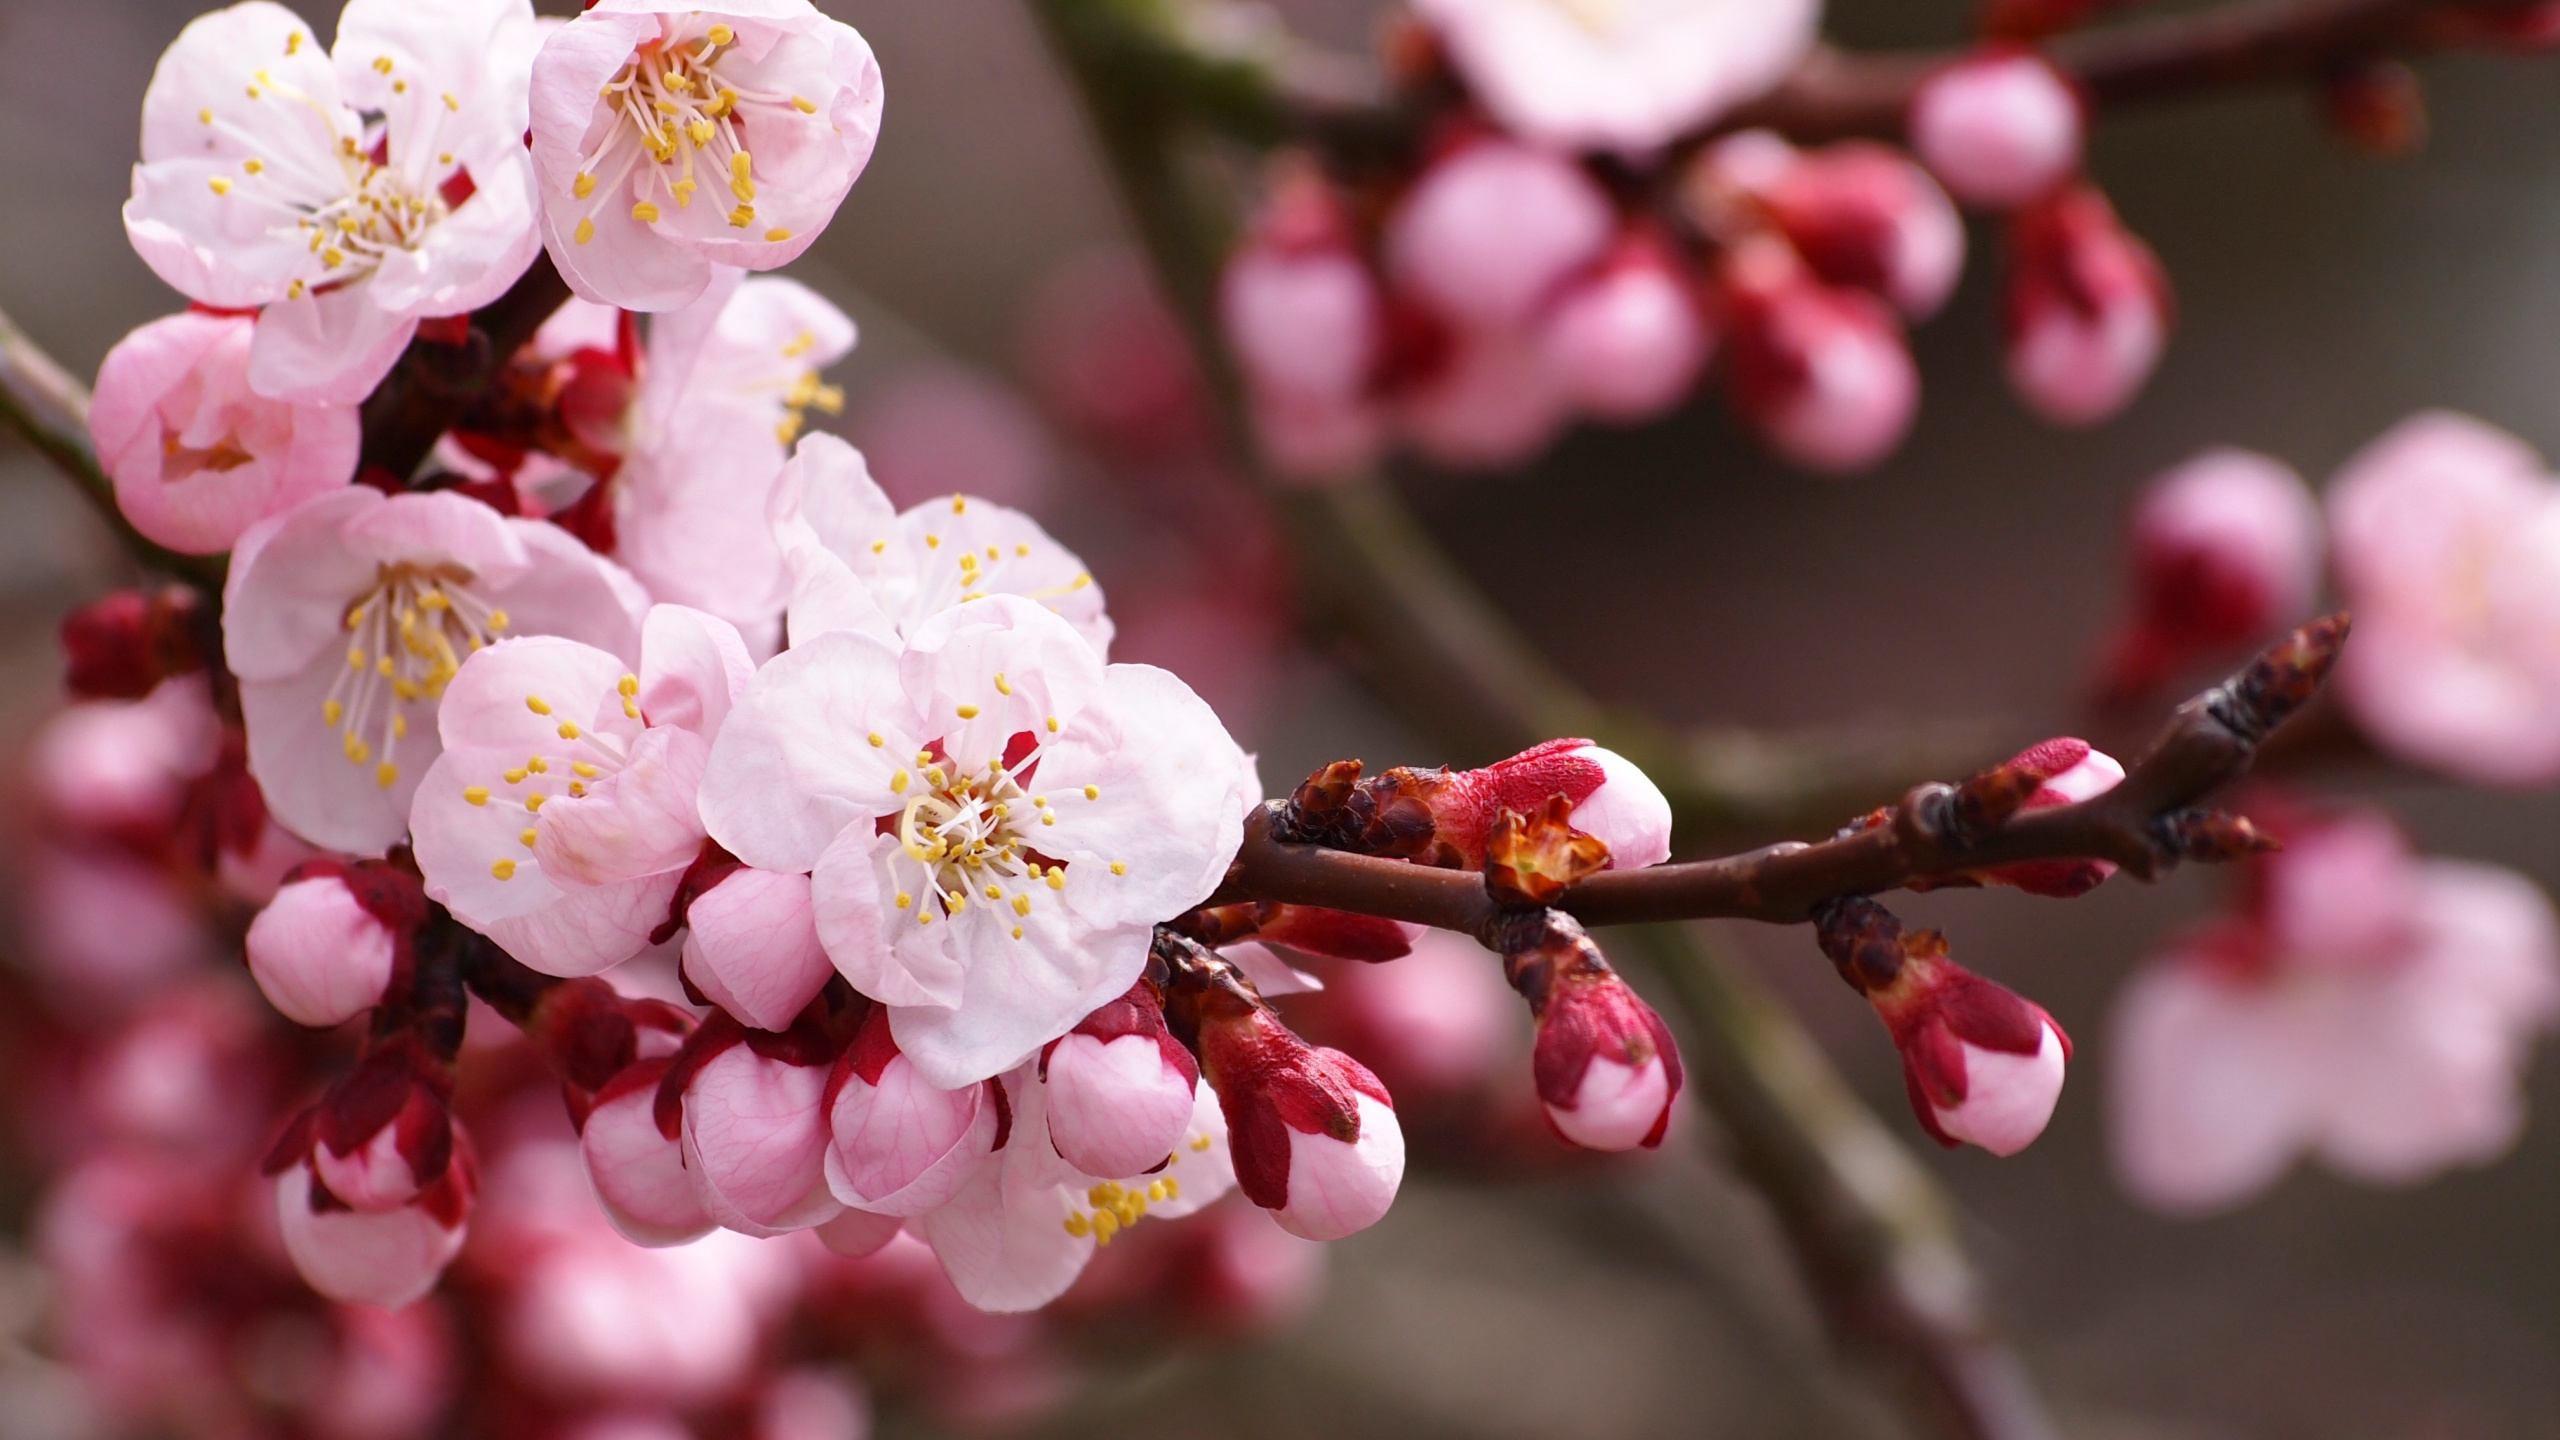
x: 2322, y: 296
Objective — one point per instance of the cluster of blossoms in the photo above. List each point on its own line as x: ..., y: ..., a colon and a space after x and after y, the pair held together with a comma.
x: 1559, y: 245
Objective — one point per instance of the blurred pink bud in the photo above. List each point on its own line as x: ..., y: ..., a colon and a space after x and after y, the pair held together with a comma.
x: 197, y: 456
x: 1312, y: 1133
x: 637, y: 1172
x: 755, y: 1138
x: 1862, y: 215
x: 1298, y: 305
x: 321, y: 954
x: 2087, y: 312
x: 1999, y: 129
x: 751, y: 946
x: 103, y: 927
x: 1119, y: 1088
x: 1821, y: 373
x: 117, y: 766
x: 1107, y: 358
x: 1490, y: 231
x: 1317, y: 441
x: 813, y: 1404
x: 387, y: 1258
x: 901, y: 1145
x: 1606, y: 1066
x: 1494, y: 404
x: 1627, y: 341
x: 1983, y: 1066
x: 2226, y: 548
x: 2070, y: 770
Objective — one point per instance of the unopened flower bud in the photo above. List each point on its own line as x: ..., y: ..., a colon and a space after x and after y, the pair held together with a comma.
x: 1119, y: 1088
x: 1999, y: 129
x: 325, y: 947
x: 1489, y: 232
x: 1493, y: 402
x: 1298, y: 305
x: 636, y: 1170
x: 383, y: 1134
x: 751, y: 946
x: 121, y: 646
x: 1822, y: 373
x: 1983, y: 1066
x: 1606, y: 1067
x: 2087, y: 312
x: 385, y: 1258
x: 753, y: 1124
x: 2067, y: 770
x: 2226, y: 548
x: 1312, y: 1133
x: 1627, y: 340
x: 1863, y: 215
x: 898, y: 1144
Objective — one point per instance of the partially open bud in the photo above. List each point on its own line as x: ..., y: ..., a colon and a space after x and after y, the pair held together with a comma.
x: 2066, y: 770
x: 1446, y: 817
x: 1983, y: 1066
x: 2088, y: 309
x: 1864, y: 215
x: 751, y: 946
x: 1489, y: 232
x: 1606, y: 1067
x: 326, y: 946
x: 1627, y: 340
x: 1821, y: 373
x: 2226, y: 548
x: 751, y: 1115
x: 637, y: 1172
x: 1999, y: 129
x: 382, y: 1134
x: 1298, y: 305
x: 1119, y: 1088
x: 385, y: 1258
x: 1313, y: 1134
x: 899, y: 1145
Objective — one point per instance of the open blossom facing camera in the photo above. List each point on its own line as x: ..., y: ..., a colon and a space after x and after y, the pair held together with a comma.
x: 996, y: 819
x: 1631, y: 75
x: 2365, y: 1005
x: 197, y: 455
x: 347, y: 617
x: 561, y: 815
x: 353, y: 192
x: 2445, y: 535
x: 670, y: 140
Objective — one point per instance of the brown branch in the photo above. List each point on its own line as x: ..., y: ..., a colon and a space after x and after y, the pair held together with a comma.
x: 1937, y: 833
x: 434, y: 382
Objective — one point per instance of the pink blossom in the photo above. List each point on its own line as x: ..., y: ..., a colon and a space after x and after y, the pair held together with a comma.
x: 2000, y: 129
x: 1313, y: 1134
x: 2226, y: 548
x: 1495, y: 403
x: 124, y: 766
x: 2087, y: 310
x: 1822, y: 374
x: 1862, y: 215
x: 1629, y: 77
x: 262, y: 184
x: 755, y: 1139
x: 751, y: 946
x: 901, y: 1145
x: 1628, y: 340
x: 319, y: 953
x: 386, y: 1258
x: 347, y: 616
x: 1490, y: 231
x: 763, y: 114
x: 104, y: 928
x: 2446, y: 537
x: 561, y: 814
x: 2367, y: 1006
x: 1606, y: 1067
x: 1119, y: 1087
x: 196, y: 454
x: 636, y: 1170
x: 918, y: 784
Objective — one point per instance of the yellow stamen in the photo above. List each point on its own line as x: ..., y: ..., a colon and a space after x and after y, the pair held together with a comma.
x: 503, y: 869
x: 585, y: 232
x: 476, y: 794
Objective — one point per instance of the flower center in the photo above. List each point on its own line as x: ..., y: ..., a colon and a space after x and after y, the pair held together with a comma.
x: 965, y: 831
x: 585, y: 754
x: 1602, y: 18
x: 1117, y: 1207
x: 407, y: 636
x: 179, y: 461
x: 679, y: 124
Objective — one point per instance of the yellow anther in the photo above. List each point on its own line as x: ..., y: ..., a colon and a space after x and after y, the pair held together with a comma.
x: 515, y: 777
x: 253, y: 93
x: 527, y: 837
x: 1021, y: 550
x: 969, y: 563
x: 628, y: 685
x: 1048, y: 819
x: 898, y: 783
x: 1119, y: 869
x: 777, y: 235
x: 385, y: 774
x: 905, y: 899
x: 357, y: 750
x: 382, y: 64
x: 382, y: 664
x: 741, y: 165
x: 924, y: 757
x: 434, y: 600
x: 533, y: 803
x: 677, y: 81
x: 1056, y: 879
x: 630, y: 708
x: 1105, y: 1225
x: 568, y: 731
x: 577, y: 788
x: 804, y: 104
x: 994, y: 894
x: 933, y: 542
x: 583, y: 186
x: 1021, y: 904
x: 967, y: 712
x: 876, y: 741
x: 721, y: 34
x: 221, y: 184
x: 1078, y: 1226
x: 585, y: 232
x: 205, y: 115
x: 253, y: 165
x: 742, y: 217
x: 1155, y: 1192
x: 879, y: 545
x: 645, y: 213
x: 1053, y: 724
x: 1173, y: 1187
x: 330, y: 710
x: 537, y: 765
x: 1017, y: 932
x: 1199, y: 1143
x: 444, y: 157
x: 400, y: 725
x: 399, y: 87
x: 450, y: 103
x: 584, y: 770
x: 537, y: 705
x: 503, y: 869
x: 1093, y: 792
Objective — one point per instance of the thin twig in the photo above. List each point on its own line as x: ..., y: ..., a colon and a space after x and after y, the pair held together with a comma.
x: 434, y: 382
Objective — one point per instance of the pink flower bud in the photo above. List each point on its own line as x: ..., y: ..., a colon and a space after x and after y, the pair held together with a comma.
x: 1489, y: 232
x: 1119, y: 1088
x: 636, y: 1171
x: 755, y: 1136
x: 1612, y: 799
x: 388, y: 1258
x: 1999, y: 129
x: 197, y: 456
x: 376, y: 1175
x: 2088, y: 309
x: 1822, y: 374
x: 1313, y: 1134
x: 1606, y: 1067
x: 1299, y: 307
x: 751, y: 945
x: 1864, y: 216
x: 1627, y: 341
x: 319, y: 953
x: 123, y: 767
x: 2226, y: 548
x: 1983, y: 1066
x: 2070, y: 770
x: 899, y: 1144
x: 1493, y: 404
x: 1314, y: 442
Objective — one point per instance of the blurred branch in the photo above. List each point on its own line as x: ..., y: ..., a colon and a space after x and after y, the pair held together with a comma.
x: 50, y: 411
